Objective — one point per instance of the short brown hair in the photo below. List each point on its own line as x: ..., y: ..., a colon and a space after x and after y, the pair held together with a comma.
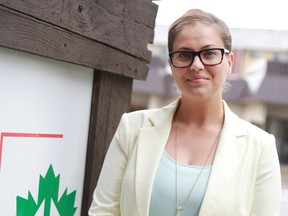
x: 195, y: 16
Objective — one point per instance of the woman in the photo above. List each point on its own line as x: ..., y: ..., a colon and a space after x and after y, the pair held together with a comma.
x: 194, y: 156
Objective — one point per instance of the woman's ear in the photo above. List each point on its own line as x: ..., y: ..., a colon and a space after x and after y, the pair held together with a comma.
x: 230, y: 61
x: 171, y: 66
x: 169, y: 62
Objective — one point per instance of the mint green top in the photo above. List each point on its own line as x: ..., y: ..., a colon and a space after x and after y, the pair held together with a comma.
x: 163, y: 197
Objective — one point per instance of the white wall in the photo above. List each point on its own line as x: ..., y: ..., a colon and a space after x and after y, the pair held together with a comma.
x: 42, y: 96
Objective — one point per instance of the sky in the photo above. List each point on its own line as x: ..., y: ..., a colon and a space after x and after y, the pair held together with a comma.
x: 251, y: 14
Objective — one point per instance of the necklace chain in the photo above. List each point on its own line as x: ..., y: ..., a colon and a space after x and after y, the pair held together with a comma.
x: 178, y: 206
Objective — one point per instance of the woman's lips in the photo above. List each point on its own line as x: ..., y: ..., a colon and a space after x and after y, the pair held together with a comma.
x: 196, y: 79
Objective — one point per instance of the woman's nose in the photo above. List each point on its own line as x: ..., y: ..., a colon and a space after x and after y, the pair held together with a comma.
x: 196, y: 64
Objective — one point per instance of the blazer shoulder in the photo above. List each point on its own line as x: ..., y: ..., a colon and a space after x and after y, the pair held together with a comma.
x: 152, y: 117
x: 254, y: 129
x: 245, y: 128
x: 141, y: 117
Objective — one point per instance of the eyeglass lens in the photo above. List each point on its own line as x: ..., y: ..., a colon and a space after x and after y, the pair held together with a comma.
x: 207, y: 57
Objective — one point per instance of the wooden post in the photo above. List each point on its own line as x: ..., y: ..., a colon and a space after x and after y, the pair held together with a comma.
x: 111, y: 98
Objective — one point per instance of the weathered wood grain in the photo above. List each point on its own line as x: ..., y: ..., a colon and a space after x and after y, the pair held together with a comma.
x: 21, y: 32
x: 123, y: 24
x: 111, y: 98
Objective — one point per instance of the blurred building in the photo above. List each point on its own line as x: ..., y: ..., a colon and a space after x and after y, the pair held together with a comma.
x: 259, y: 80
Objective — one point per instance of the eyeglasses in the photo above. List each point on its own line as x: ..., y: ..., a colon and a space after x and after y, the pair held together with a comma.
x: 208, y: 57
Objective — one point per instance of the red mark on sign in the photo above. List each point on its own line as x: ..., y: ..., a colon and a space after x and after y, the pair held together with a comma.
x: 31, y: 135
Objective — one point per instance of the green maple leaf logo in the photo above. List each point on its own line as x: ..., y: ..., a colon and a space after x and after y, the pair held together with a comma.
x: 47, y: 192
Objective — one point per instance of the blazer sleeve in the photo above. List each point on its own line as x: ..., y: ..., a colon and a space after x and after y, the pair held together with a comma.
x: 267, y: 190
x: 106, y: 197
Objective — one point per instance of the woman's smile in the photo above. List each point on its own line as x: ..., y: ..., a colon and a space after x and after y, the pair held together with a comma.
x: 197, y: 79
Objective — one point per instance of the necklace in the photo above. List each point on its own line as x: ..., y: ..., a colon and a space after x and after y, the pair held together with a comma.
x: 178, y: 206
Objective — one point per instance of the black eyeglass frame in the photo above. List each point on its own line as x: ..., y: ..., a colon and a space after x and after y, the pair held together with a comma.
x: 197, y: 53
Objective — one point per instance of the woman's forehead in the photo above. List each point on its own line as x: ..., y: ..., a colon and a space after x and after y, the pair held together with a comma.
x: 199, y: 35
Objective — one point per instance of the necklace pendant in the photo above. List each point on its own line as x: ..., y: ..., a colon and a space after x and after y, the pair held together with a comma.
x: 180, y: 208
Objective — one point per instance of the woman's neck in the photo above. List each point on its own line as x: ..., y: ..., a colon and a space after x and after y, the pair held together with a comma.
x: 201, y: 113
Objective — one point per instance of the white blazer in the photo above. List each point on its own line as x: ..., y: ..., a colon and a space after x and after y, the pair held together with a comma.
x: 245, y: 178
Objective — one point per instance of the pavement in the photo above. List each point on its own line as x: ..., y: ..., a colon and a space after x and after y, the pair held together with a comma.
x: 284, y: 204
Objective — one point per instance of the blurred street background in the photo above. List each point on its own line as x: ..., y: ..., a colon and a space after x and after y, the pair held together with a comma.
x: 284, y: 208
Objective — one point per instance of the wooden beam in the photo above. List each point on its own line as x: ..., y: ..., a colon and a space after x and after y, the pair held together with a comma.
x: 111, y: 98
x: 125, y: 25
x: 24, y: 33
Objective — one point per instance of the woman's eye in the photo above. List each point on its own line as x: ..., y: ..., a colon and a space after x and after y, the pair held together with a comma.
x: 184, y: 55
x: 209, y: 53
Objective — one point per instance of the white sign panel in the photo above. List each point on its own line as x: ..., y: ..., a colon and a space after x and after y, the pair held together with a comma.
x: 44, y: 123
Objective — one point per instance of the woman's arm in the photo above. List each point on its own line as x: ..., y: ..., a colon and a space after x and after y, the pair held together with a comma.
x: 106, y: 197
x: 267, y: 190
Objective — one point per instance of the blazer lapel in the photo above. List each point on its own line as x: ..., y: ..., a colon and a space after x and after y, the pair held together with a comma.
x: 151, y: 143
x: 228, y: 157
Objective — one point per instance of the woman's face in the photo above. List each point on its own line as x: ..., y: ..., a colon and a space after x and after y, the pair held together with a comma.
x: 199, y: 81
